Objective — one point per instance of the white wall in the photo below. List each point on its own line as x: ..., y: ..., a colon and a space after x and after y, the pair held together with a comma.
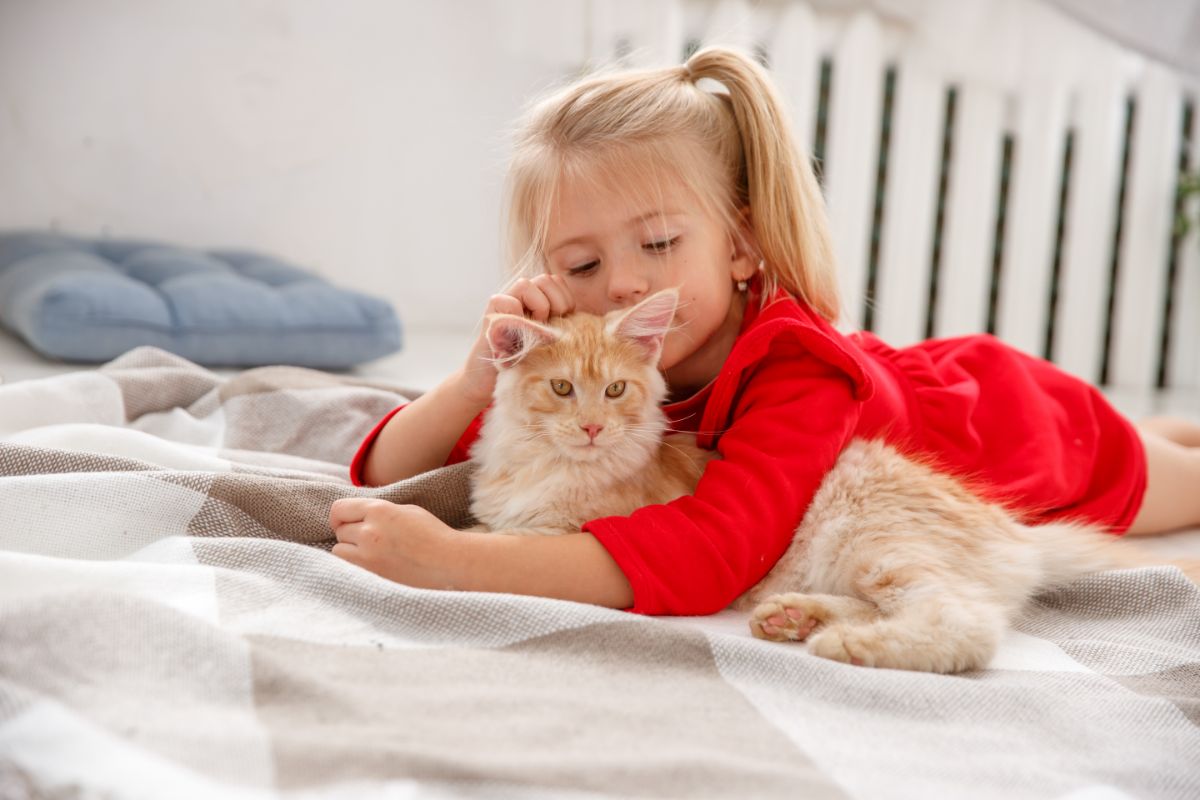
x: 363, y: 138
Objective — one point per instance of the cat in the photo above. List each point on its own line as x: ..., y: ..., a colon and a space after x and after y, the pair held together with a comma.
x: 576, y: 429
x: 899, y: 565
x: 894, y: 564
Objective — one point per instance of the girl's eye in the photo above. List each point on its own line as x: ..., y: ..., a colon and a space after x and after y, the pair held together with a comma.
x: 583, y: 269
x: 615, y: 389
x: 561, y: 388
x: 663, y: 246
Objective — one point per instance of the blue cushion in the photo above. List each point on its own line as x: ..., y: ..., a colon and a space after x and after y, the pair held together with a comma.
x: 92, y: 300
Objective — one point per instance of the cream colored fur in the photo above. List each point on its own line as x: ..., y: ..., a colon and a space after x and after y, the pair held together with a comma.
x: 539, y: 471
x: 894, y: 565
x: 897, y: 565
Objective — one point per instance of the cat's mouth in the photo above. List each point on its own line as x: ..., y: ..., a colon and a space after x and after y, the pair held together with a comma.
x: 588, y: 451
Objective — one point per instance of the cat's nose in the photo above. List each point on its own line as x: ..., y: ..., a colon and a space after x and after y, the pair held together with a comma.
x: 592, y: 430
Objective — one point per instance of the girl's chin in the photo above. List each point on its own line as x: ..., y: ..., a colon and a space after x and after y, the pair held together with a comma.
x: 673, y: 357
x: 665, y: 364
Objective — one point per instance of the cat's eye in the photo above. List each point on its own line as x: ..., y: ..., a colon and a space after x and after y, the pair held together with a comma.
x: 615, y: 389
x: 561, y: 388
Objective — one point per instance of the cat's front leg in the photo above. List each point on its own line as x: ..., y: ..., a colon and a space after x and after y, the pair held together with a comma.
x: 794, y: 616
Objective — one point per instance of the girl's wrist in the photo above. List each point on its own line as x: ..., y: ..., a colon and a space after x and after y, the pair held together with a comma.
x: 469, y: 390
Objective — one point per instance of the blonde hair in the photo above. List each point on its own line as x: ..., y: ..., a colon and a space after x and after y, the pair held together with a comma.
x: 731, y: 149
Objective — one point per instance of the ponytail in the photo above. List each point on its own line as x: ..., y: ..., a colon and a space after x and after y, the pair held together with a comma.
x: 787, y: 210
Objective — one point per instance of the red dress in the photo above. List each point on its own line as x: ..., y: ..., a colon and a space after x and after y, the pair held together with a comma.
x: 790, y: 396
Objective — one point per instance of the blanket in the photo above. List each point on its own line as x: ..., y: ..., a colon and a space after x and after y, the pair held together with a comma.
x: 173, y: 625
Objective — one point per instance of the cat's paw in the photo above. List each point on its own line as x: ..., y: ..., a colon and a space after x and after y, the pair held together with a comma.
x: 787, y: 617
x: 843, y: 643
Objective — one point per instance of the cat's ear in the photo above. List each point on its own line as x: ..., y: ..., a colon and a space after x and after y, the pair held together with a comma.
x: 512, y: 337
x: 646, y: 323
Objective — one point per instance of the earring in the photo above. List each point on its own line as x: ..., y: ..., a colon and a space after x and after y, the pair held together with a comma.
x: 741, y: 285
x: 762, y: 264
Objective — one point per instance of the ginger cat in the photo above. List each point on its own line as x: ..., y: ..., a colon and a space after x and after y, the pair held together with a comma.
x: 576, y: 430
x: 894, y: 564
x: 898, y: 565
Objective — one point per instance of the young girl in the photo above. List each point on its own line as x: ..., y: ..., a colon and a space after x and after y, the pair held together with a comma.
x: 628, y: 183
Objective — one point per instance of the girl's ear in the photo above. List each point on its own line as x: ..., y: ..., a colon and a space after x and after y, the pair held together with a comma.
x: 744, y: 244
x: 512, y: 337
x: 647, y: 323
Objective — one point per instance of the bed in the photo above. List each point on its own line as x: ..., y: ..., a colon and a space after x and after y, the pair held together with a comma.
x: 173, y: 625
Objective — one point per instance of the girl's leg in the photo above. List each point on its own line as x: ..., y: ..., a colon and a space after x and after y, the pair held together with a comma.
x: 1172, y: 498
x: 1180, y: 431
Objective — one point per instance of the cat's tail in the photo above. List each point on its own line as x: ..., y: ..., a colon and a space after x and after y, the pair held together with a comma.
x: 1069, y: 550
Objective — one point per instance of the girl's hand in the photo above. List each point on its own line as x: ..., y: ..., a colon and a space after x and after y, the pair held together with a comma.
x: 540, y: 299
x: 409, y: 545
x: 403, y: 543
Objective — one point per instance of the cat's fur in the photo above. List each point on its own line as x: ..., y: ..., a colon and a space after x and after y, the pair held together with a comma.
x: 539, y: 470
x: 898, y: 565
x: 894, y: 564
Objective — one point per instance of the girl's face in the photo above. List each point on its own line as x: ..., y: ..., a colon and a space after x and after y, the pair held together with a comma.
x: 614, y: 251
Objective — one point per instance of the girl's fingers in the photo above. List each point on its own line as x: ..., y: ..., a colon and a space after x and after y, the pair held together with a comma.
x: 541, y: 298
x: 504, y: 304
x: 561, y: 282
x: 348, y: 509
x: 349, y: 532
x: 532, y: 298
x: 348, y: 552
x: 556, y: 291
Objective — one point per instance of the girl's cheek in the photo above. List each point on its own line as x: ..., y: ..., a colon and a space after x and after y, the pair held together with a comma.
x: 670, y: 351
x: 588, y: 299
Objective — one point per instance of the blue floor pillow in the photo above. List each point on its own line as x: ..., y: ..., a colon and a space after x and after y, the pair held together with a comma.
x: 93, y: 299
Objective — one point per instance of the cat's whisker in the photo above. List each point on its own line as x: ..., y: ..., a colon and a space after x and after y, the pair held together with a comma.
x: 647, y: 427
x: 696, y: 468
x: 527, y: 438
x: 554, y: 465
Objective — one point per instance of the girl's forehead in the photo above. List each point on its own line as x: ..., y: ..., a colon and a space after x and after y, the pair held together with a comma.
x: 594, y: 205
x: 621, y: 192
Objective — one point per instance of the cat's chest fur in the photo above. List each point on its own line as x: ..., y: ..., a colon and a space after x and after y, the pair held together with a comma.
x: 511, y: 491
x: 576, y: 428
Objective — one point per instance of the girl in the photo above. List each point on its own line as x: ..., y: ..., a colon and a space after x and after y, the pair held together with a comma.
x: 628, y: 183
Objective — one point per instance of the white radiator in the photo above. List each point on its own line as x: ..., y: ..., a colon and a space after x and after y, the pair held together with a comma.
x: 988, y: 166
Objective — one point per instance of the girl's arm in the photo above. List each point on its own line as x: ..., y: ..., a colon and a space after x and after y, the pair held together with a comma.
x: 696, y: 554
x: 421, y: 436
x: 409, y: 545
x: 693, y: 555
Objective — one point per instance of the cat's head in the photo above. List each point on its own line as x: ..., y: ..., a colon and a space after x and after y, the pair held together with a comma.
x: 585, y: 387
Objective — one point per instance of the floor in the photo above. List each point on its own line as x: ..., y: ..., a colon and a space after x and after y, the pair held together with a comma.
x: 430, y: 355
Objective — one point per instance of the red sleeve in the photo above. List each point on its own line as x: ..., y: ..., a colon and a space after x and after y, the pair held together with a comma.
x: 696, y: 554
x: 459, y: 453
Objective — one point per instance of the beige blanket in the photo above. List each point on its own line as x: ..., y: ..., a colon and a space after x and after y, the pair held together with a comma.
x: 171, y: 625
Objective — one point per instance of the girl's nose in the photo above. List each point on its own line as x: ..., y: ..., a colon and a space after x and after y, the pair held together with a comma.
x: 626, y: 283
